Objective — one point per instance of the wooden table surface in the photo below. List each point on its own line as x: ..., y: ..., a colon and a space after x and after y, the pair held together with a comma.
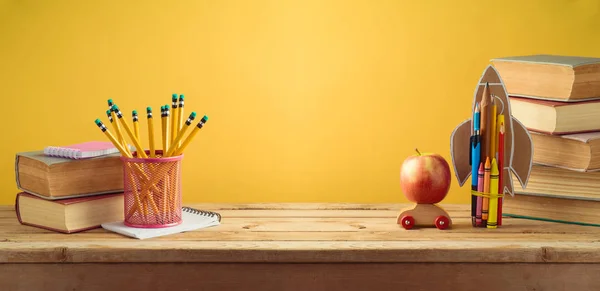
x: 300, y: 246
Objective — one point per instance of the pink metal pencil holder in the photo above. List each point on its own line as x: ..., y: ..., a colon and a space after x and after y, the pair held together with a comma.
x: 152, y: 189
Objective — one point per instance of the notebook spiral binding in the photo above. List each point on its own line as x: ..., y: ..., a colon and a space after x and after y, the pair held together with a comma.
x: 202, y: 212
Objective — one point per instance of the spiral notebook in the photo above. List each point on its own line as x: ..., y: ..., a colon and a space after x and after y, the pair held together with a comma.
x: 193, y: 219
x: 83, y: 150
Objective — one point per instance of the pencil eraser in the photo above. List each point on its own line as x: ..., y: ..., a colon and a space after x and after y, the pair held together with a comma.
x: 108, y: 112
x: 110, y: 102
x: 181, y: 97
x: 114, y: 107
x: 98, y: 122
x: 134, y: 112
x: 193, y: 115
x: 148, y: 109
x: 205, y: 118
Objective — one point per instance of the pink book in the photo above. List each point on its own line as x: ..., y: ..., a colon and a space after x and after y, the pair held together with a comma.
x: 82, y: 150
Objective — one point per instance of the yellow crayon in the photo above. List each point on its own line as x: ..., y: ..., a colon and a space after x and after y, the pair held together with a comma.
x: 492, y: 221
x: 136, y: 142
x: 174, y: 119
x: 174, y: 145
x: 151, y: 131
x: 486, y: 189
x: 493, y: 129
x: 187, y: 141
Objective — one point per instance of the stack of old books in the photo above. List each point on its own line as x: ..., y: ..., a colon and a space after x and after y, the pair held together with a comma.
x: 69, y: 189
x: 557, y: 98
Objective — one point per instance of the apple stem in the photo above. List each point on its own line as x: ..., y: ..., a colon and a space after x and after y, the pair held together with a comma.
x: 418, y: 152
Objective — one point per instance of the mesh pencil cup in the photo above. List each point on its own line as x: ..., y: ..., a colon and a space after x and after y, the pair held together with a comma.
x: 152, y: 189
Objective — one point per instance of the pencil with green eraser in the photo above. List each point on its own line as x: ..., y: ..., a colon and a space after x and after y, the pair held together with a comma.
x: 167, y: 131
x: 181, y: 120
x: 136, y: 142
x: 136, y: 125
x: 163, y: 129
x: 174, y: 118
x: 180, y: 134
x: 117, y: 128
x: 190, y: 137
x: 111, y: 138
x: 150, y: 131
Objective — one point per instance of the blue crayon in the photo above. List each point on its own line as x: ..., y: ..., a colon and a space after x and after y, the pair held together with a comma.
x: 475, y: 158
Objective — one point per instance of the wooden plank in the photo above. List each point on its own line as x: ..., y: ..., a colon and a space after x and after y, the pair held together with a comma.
x: 514, y: 228
x: 247, y: 235
x: 449, y: 251
x: 301, y: 277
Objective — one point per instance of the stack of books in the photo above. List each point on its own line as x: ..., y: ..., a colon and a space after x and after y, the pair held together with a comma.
x: 69, y: 189
x: 557, y: 98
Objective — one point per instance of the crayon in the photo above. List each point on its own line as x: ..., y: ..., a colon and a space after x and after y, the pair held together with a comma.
x: 480, y: 175
x: 136, y: 142
x: 475, y: 159
x: 151, y: 132
x: 136, y: 125
x: 500, y: 167
x: 174, y: 145
x: 174, y: 118
x: 181, y: 121
x: 493, y: 215
x: 486, y: 189
x: 191, y: 136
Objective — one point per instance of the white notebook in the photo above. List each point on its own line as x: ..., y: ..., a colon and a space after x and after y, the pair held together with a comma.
x: 192, y: 219
x: 83, y: 150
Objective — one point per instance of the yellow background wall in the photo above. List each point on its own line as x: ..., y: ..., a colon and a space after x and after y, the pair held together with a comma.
x: 308, y: 100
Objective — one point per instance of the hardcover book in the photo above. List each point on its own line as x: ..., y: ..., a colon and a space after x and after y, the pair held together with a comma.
x: 55, y: 178
x: 551, y: 77
x: 69, y: 215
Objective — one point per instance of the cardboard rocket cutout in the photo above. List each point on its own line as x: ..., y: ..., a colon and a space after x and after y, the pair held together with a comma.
x: 518, y: 147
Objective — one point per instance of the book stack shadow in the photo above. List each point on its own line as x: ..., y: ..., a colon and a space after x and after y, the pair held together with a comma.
x: 69, y: 189
x: 557, y: 98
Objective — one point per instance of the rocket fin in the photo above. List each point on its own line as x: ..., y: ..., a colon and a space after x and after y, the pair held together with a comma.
x: 522, y: 153
x: 460, y: 151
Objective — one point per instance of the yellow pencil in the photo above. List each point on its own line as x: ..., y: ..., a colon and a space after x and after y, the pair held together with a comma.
x: 493, y: 129
x: 167, y: 131
x: 163, y: 130
x: 492, y: 221
x: 150, y: 131
x: 136, y: 125
x: 112, y: 138
x: 174, y: 145
x: 136, y: 142
x: 180, y: 124
x: 191, y: 136
x: 174, y: 119
x: 117, y: 127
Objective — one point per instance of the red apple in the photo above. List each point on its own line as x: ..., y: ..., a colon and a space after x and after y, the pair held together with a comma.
x: 425, y: 178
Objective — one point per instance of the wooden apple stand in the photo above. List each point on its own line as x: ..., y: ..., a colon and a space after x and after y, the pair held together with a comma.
x: 424, y: 215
